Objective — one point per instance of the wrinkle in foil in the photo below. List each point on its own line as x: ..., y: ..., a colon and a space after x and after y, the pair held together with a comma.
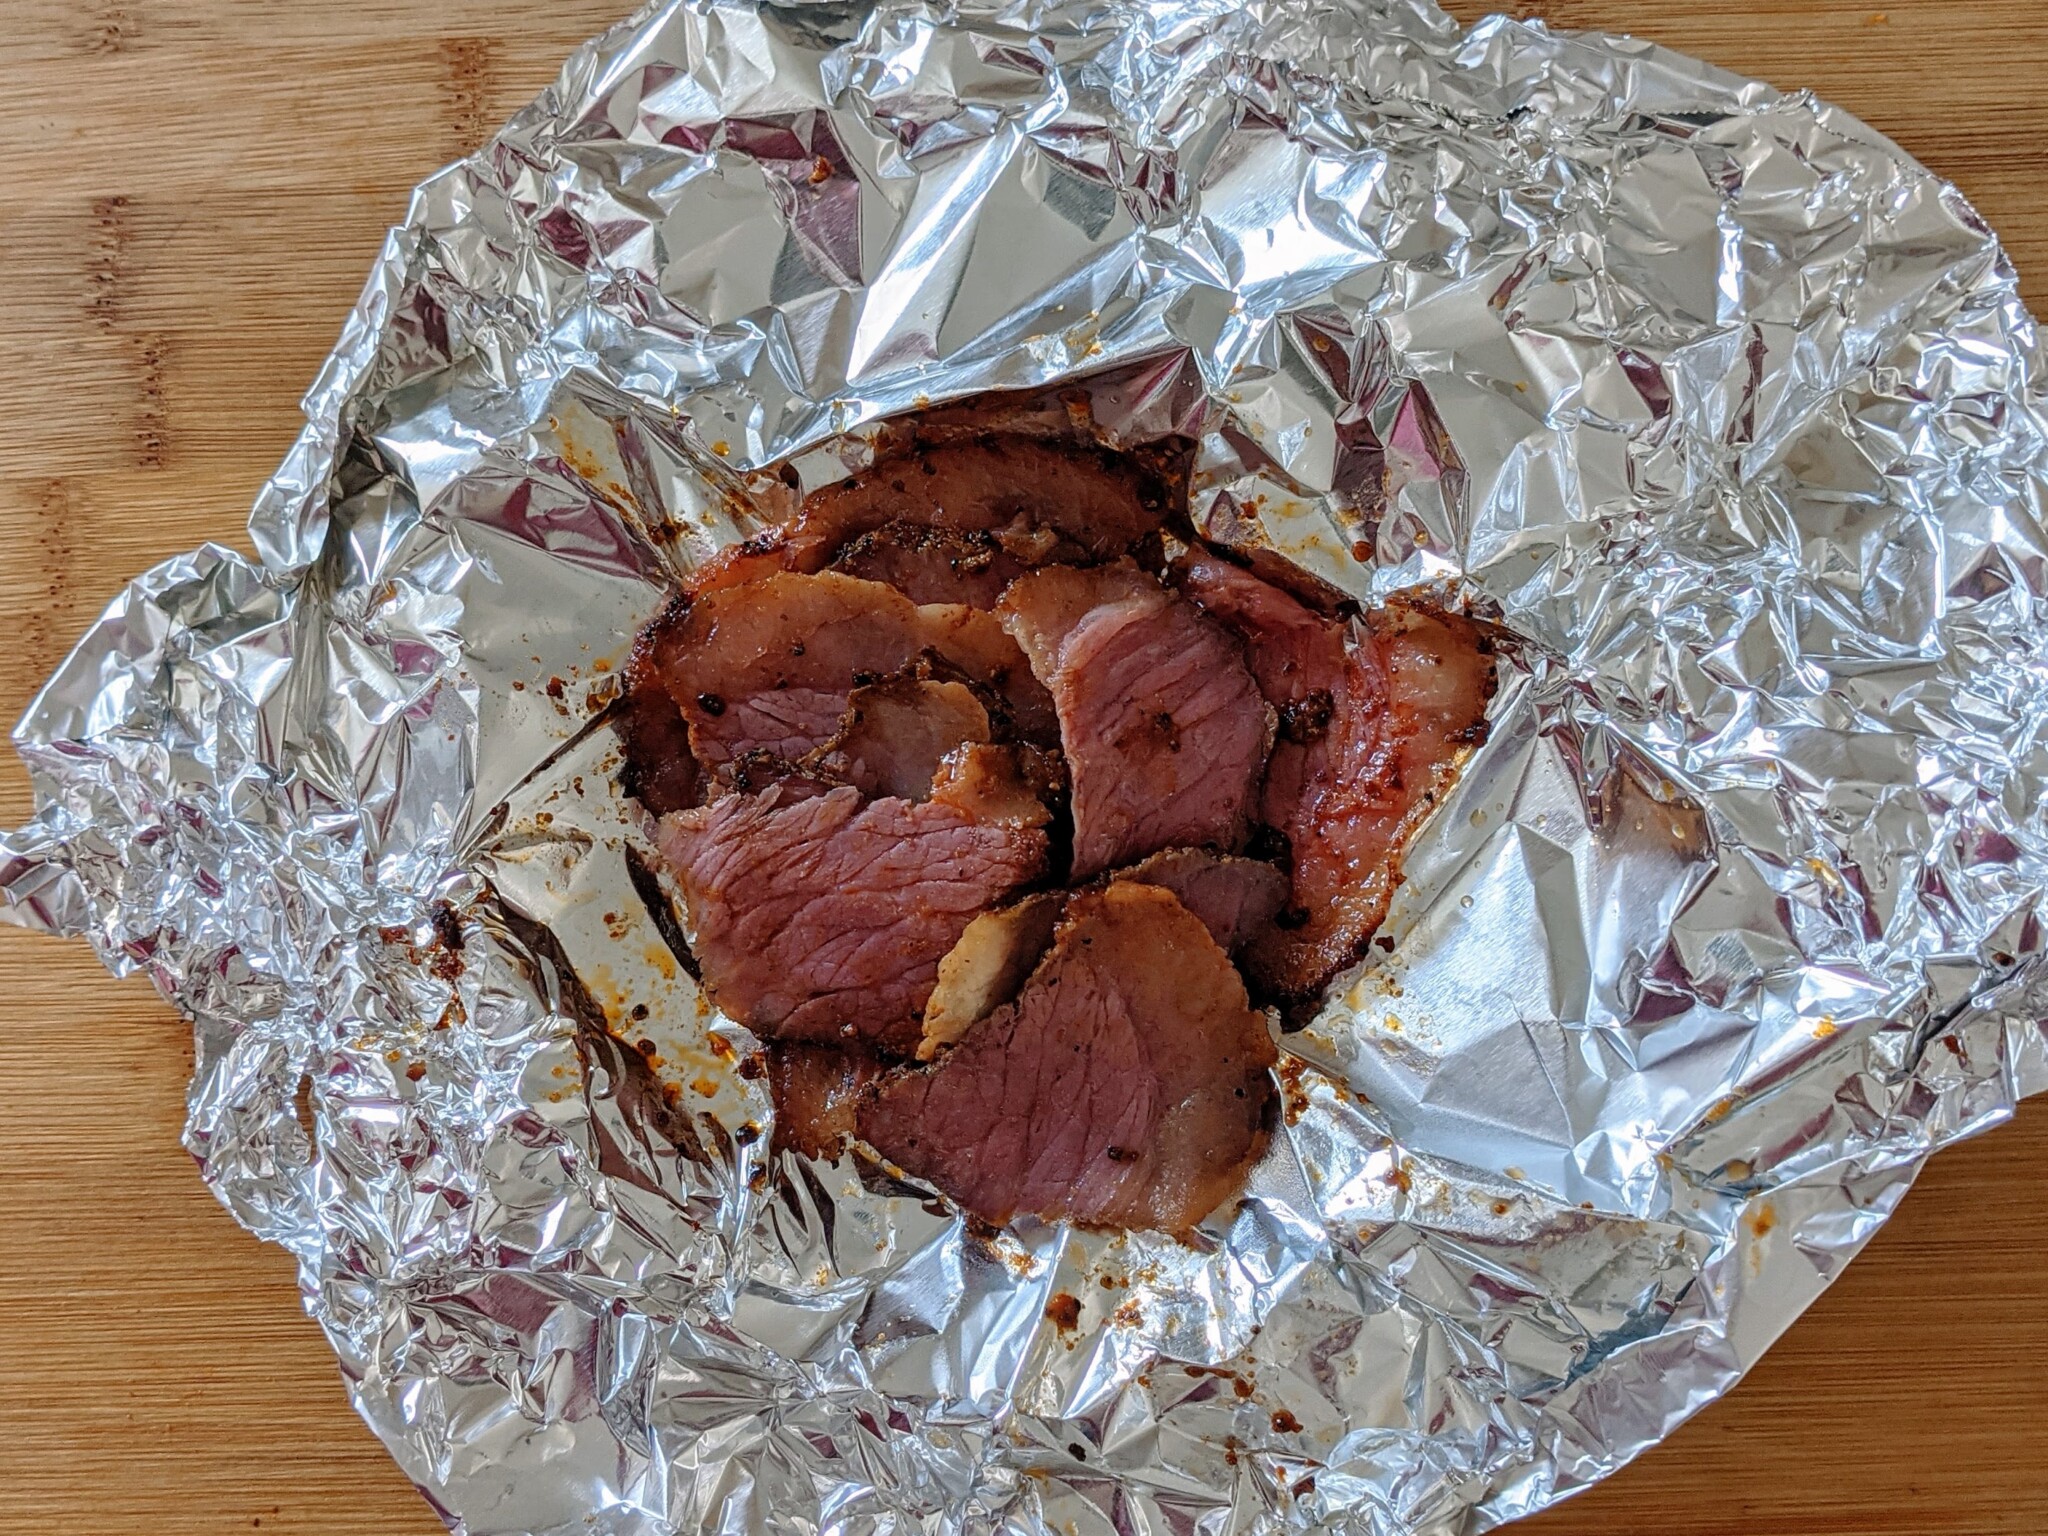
x: 1726, y: 410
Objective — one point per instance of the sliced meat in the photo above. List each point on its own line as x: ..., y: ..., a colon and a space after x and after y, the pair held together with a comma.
x: 1351, y: 821
x: 1164, y: 731
x: 1038, y: 498
x: 770, y: 667
x: 768, y: 553
x: 895, y: 733
x: 1065, y: 415
x: 1234, y: 898
x: 987, y: 967
x: 820, y: 915
x: 1020, y: 489
x: 659, y: 771
x: 814, y: 1089
x: 934, y: 565
x: 1296, y: 653
x: 1127, y: 1085
x: 1057, y: 414
x: 912, y: 740
x: 1373, y: 716
x: 1305, y: 587
x: 1005, y: 784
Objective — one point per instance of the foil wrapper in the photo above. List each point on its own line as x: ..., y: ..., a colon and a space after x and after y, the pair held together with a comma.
x: 1728, y: 411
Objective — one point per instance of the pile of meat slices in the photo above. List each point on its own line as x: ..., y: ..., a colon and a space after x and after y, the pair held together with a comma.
x: 1002, y: 808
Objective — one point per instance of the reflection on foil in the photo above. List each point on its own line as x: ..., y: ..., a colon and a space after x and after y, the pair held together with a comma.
x: 1729, y: 413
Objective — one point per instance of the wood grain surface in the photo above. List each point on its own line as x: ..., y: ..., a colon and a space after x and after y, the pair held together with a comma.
x: 193, y: 192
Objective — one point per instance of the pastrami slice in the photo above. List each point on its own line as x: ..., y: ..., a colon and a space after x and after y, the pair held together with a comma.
x: 1127, y: 1085
x: 1164, y: 731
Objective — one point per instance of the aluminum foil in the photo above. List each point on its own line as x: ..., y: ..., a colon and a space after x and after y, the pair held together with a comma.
x: 1724, y: 407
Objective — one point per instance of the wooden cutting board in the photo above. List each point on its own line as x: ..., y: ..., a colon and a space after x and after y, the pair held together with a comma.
x: 193, y: 192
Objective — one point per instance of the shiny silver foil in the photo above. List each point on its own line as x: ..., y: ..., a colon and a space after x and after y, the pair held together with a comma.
x: 1726, y: 409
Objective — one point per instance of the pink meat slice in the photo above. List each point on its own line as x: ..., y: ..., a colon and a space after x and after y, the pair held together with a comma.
x: 817, y: 914
x: 897, y: 732
x: 1234, y: 898
x: 1164, y: 731
x: 769, y: 667
x: 1127, y: 1085
x: 1373, y: 716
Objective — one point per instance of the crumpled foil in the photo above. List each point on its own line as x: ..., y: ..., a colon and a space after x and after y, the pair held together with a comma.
x: 1725, y: 408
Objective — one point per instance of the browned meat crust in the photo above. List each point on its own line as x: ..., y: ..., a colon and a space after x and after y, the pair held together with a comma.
x: 1128, y: 1084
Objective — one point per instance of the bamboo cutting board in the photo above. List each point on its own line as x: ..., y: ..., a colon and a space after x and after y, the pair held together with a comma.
x: 193, y: 192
